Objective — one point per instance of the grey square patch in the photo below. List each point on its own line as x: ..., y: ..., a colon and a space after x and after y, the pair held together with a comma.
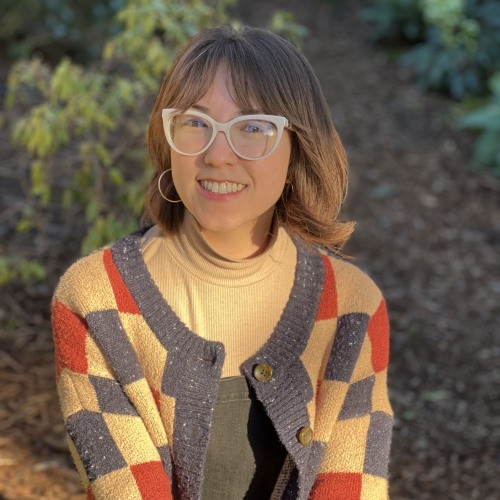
x: 98, y: 452
x: 349, y: 337
x: 111, y: 397
x: 358, y: 400
x: 378, y: 444
x: 108, y: 332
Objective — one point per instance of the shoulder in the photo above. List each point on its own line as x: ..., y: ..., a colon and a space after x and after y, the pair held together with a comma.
x: 87, y: 285
x: 356, y: 292
x: 83, y: 280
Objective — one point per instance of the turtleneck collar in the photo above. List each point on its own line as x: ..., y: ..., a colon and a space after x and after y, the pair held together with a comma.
x: 193, y: 253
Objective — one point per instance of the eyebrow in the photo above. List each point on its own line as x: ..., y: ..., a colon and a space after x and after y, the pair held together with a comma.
x: 199, y: 107
x: 204, y: 109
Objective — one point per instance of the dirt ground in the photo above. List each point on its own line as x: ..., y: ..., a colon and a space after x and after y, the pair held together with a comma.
x: 428, y: 231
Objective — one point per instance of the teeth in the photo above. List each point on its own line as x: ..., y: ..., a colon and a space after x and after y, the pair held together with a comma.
x: 222, y: 187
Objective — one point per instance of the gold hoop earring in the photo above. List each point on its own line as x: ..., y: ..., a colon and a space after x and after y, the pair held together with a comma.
x: 161, y: 192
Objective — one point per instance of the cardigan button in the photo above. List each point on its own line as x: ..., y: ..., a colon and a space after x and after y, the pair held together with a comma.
x: 263, y: 373
x: 305, y: 436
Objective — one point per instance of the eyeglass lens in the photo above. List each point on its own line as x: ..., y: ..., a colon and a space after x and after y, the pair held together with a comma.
x: 251, y: 138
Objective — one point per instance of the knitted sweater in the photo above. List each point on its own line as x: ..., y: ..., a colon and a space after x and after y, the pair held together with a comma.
x: 211, y: 293
x: 137, y: 387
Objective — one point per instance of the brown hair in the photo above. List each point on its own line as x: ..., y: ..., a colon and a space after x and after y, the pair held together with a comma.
x: 269, y: 71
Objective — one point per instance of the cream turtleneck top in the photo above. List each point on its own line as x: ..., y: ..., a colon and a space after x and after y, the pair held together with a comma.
x: 236, y: 302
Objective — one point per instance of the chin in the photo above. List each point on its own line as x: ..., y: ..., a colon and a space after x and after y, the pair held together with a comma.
x: 217, y: 226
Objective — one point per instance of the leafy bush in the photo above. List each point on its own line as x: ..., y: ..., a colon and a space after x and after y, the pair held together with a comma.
x: 84, y: 127
x: 457, y: 51
x: 457, y: 41
x: 57, y: 26
x: 486, y: 120
x: 395, y: 19
x: 283, y: 22
x: 13, y: 267
x: 461, y: 49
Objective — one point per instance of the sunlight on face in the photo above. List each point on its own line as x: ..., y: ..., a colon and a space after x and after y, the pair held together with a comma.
x: 232, y: 199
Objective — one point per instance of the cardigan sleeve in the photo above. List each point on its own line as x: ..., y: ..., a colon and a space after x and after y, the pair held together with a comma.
x: 355, y: 402
x: 112, y: 432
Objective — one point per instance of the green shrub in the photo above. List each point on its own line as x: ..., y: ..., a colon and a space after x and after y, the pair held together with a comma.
x: 456, y: 51
x: 55, y: 27
x: 283, y: 22
x: 461, y: 49
x: 395, y: 19
x: 486, y: 121
x: 84, y: 127
x: 457, y: 41
x: 19, y: 268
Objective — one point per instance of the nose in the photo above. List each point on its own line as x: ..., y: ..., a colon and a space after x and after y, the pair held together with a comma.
x: 220, y: 151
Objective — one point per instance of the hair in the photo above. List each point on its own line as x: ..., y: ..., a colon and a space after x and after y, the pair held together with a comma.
x: 270, y: 72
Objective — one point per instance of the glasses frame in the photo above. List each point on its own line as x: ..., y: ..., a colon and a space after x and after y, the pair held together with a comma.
x: 279, y: 121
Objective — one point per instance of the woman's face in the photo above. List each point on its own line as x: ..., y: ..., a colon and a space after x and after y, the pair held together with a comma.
x: 235, y: 223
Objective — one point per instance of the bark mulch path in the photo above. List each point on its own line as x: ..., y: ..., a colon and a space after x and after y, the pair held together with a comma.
x: 428, y: 232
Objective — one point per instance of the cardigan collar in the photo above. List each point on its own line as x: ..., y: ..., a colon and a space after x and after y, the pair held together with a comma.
x: 194, y: 365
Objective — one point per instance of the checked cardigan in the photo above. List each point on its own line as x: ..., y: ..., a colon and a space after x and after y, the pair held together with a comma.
x: 137, y: 387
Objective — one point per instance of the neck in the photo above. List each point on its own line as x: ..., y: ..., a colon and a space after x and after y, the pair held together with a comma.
x: 241, y: 244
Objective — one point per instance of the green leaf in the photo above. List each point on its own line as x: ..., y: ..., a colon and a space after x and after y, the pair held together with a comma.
x: 494, y: 84
x: 103, y: 154
x: 92, y: 210
x: 409, y: 415
x: 487, y: 149
x: 39, y: 185
x: 437, y: 395
x: 116, y: 177
x: 18, y: 268
x: 484, y: 118
x: 24, y: 225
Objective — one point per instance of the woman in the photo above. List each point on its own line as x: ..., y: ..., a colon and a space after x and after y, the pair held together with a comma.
x: 227, y: 352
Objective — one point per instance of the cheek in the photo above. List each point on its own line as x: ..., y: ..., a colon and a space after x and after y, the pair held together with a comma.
x: 273, y: 178
x: 182, y: 169
x: 175, y: 161
x: 176, y: 169
x: 278, y: 179
x: 282, y: 161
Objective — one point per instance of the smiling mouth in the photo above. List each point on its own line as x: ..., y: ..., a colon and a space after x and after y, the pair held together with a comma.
x: 222, y: 187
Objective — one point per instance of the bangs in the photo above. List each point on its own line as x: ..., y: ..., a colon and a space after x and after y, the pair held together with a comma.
x: 248, y: 82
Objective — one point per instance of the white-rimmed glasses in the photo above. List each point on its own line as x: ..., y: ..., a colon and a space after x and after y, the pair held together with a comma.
x: 251, y: 137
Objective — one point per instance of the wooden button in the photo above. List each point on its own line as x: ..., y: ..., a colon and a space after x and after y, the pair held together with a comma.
x: 263, y: 373
x: 305, y: 436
